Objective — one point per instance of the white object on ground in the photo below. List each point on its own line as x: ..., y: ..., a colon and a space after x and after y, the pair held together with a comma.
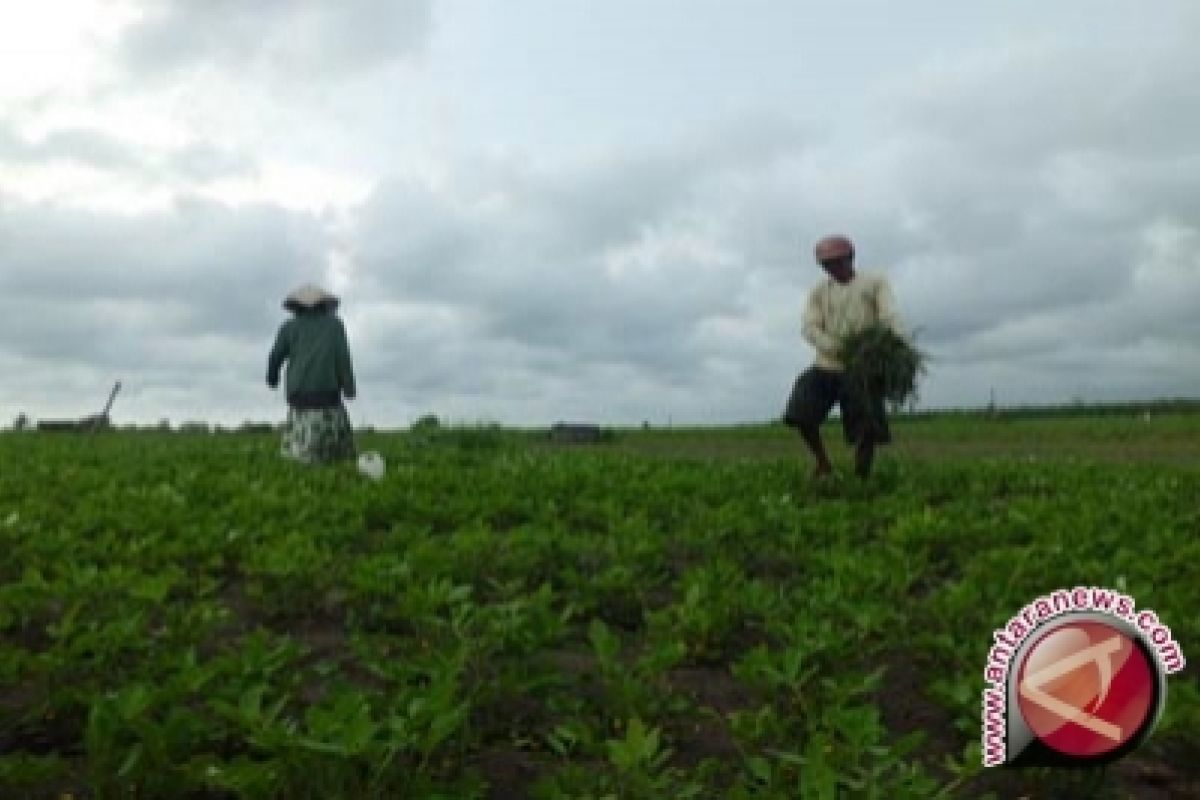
x: 371, y: 464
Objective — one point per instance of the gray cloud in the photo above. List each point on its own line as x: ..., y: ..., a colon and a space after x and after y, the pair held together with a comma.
x: 1021, y: 102
x: 610, y: 262
x: 184, y: 301
x: 297, y: 39
x: 197, y: 162
x: 89, y: 147
x: 204, y: 162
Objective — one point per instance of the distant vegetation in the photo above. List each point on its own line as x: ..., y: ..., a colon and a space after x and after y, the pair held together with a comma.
x: 1163, y: 406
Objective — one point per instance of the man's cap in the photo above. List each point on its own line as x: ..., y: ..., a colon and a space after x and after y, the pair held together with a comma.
x: 833, y: 247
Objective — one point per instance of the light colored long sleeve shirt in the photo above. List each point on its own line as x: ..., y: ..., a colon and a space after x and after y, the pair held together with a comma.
x: 836, y: 310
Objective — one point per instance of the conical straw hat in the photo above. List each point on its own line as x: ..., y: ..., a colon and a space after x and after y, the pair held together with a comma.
x: 309, y: 296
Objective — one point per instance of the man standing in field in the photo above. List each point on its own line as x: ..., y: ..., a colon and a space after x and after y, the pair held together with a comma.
x: 842, y: 304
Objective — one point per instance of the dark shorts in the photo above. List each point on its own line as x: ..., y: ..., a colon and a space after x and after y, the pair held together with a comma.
x: 817, y: 391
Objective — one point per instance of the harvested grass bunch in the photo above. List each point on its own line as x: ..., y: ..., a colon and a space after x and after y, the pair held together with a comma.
x: 879, y: 363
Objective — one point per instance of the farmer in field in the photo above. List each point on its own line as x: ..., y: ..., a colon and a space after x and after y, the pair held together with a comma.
x: 319, y: 373
x: 843, y: 304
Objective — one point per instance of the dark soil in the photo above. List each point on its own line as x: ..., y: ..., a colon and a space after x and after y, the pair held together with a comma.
x: 704, y: 733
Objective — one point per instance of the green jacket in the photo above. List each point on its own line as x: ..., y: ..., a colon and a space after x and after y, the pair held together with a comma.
x: 318, y: 357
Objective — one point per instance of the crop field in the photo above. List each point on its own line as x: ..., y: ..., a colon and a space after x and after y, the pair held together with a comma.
x: 673, y: 614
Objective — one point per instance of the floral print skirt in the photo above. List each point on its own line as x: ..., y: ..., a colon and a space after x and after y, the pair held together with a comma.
x: 318, y: 436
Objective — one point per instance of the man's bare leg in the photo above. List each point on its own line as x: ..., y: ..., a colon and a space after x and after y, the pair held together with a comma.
x: 864, y: 456
x: 812, y: 437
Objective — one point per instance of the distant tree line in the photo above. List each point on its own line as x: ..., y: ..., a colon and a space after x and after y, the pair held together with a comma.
x: 1183, y: 405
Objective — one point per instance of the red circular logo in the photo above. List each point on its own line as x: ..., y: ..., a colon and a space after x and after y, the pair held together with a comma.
x: 1086, y: 688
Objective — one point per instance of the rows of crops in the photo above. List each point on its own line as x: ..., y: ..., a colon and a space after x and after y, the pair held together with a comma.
x: 192, y: 617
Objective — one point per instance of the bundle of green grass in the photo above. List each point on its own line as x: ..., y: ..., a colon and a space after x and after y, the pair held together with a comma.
x: 880, y: 363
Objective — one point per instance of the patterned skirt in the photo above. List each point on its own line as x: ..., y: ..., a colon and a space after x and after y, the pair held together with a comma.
x: 318, y: 436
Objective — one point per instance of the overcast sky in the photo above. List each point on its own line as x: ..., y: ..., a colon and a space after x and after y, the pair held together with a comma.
x: 555, y: 209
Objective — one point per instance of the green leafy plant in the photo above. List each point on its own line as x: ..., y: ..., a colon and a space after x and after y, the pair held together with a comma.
x: 879, y: 363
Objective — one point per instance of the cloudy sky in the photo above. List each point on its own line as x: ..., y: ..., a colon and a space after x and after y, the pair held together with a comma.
x: 565, y: 209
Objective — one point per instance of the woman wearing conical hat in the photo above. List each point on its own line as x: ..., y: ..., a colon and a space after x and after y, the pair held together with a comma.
x: 319, y: 374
